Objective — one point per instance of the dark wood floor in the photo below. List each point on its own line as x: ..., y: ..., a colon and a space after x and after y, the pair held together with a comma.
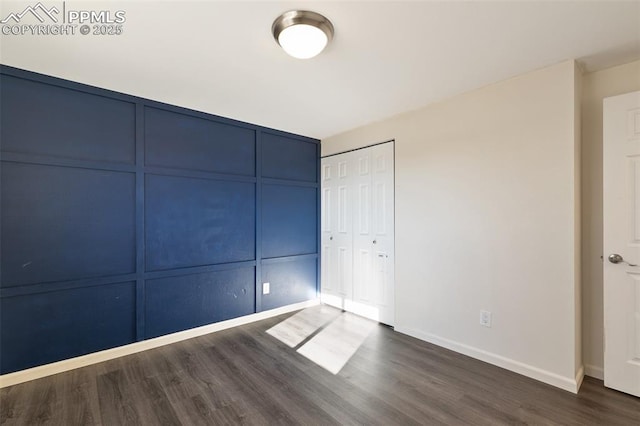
x: 244, y: 376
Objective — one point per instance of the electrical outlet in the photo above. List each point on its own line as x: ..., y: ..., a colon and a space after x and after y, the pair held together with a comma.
x: 265, y: 288
x: 485, y: 318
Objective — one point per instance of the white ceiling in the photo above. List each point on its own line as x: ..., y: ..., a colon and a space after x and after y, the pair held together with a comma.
x: 386, y: 57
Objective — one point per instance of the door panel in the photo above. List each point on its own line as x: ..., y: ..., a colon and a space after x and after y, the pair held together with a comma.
x: 383, y: 218
x: 364, y: 209
x: 344, y: 271
x: 326, y: 224
x: 328, y: 216
x: 362, y: 277
x: 382, y: 286
x: 621, y: 175
x: 328, y: 278
x: 362, y: 241
x: 337, y: 263
x: 344, y: 235
x: 343, y: 210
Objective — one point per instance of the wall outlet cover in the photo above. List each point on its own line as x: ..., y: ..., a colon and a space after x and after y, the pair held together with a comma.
x: 485, y: 318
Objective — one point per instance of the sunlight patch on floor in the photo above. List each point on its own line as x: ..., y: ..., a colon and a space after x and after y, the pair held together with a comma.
x: 335, y: 345
x: 332, y: 346
x: 295, y: 329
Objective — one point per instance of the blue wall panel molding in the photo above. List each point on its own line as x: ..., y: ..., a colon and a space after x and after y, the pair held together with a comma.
x: 179, y: 303
x: 193, y: 222
x: 50, y: 120
x: 204, y: 144
x: 290, y: 281
x: 47, y: 327
x: 123, y: 219
x: 289, y: 216
x: 289, y: 158
x: 57, y: 225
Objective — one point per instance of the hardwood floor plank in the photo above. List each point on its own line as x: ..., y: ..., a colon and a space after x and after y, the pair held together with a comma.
x: 404, y: 395
x: 151, y: 395
x: 10, y: 402
x: 316, y: 383
x: 80, y: 404
x: 263, y: 404
x: 287, y: 384
x: 44, y: 404
x: 116, y: 399
x: 247, y: 376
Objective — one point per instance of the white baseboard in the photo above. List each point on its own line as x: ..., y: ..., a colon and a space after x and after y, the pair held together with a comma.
x: 579, y: 378
x: 594, y: 371
x: 96, y: 357
x: 562, y: 382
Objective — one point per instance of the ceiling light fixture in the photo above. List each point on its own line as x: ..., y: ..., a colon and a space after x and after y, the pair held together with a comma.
x: 301, y: 33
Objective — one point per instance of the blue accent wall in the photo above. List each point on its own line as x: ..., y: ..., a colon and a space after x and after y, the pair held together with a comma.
x: 123, y: 219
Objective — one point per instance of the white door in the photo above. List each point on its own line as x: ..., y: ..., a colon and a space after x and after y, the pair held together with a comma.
x: 336, y: 242
x: 382, y: 210
x: 621, y: 199
x: 364, y: 300
x: 359, y: 260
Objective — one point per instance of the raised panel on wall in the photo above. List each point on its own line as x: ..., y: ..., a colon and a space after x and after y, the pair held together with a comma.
x: 204, y: 145
x: 47, y: 327
x: 64, y: 223
x: 193, y: 222
x: 289, y: 158
x: 290, y: 281
x: 289, y: 220
x: 179, y: 303
x: 124, y: 219
x: 44, y: 119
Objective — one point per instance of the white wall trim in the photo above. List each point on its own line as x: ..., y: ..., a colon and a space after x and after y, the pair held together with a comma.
x: 96, y: 357
x: 579, y: 378
x: 566, y: 383
x: 594, y: 371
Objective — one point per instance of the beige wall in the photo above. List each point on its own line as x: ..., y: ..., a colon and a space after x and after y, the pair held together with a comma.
x: 486, y: 218
x: 595, y: 87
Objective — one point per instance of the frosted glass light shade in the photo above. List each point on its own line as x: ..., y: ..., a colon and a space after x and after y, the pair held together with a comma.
x: 303, y: 41
x: 301, y: 33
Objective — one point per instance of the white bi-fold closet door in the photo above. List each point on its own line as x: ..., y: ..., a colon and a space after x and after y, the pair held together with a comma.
x: 357, y: 232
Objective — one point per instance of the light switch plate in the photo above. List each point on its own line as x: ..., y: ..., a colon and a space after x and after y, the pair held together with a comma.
x: 265, y: 288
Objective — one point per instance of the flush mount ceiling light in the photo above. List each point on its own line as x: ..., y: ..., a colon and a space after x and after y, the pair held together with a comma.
x: 301, y: 33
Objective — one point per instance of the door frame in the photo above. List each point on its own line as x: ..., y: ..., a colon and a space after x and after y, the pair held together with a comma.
x: 393, y: 142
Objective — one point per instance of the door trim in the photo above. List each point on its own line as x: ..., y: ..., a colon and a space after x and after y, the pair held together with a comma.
x: 369, y: 146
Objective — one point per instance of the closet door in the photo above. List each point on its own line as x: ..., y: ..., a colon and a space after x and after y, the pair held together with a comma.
x: 357, y: 232
x: 373, y: 295
x: 337, y: 238
x: 382, y: 211
x: 364, y: 297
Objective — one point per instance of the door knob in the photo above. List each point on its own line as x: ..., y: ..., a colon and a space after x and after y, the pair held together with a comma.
x: 331, y: 238
x: 616, y: 258
x: 375, y: 241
